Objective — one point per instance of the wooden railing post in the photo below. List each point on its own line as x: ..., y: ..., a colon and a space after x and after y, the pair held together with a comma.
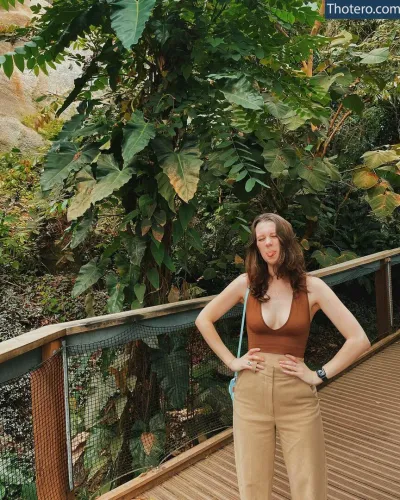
x: 48, y: 413
x: 384, y: 300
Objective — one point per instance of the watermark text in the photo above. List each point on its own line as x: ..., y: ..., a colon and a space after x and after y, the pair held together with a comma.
x: 368, y: 9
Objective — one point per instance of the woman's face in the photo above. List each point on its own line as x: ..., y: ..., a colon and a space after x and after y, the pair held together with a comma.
x: 268, y: 243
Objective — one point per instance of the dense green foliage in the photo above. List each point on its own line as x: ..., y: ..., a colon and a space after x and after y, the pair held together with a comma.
x: 183, y: 98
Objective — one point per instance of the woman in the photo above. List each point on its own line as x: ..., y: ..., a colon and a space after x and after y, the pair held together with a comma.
x: 275, y: 388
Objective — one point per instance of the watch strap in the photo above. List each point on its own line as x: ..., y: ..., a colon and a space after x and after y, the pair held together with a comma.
x: 321, y: 374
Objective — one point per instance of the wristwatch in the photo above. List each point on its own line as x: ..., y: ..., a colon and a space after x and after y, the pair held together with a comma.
x: 321, y: 374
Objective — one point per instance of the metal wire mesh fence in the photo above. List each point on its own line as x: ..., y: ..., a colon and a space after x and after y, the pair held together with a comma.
x: 17, y: 478
x: 143, y: 396
x: 32, y: 433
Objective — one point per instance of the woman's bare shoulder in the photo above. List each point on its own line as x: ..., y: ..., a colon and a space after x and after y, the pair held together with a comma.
x: 238, y: 287
x: 313, y: 282
x: 309, y: 280
x: 231, y: 295
x: 314, y: 287
x: 244, y: 278
x: 244, y: 283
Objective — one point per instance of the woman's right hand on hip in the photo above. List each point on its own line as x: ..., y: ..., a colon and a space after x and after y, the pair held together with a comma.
x: 249, y: 361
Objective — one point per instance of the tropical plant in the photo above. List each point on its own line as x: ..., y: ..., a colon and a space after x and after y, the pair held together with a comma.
x: 178, y: 97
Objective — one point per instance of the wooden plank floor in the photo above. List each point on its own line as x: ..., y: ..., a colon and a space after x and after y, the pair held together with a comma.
x: 361, y: 416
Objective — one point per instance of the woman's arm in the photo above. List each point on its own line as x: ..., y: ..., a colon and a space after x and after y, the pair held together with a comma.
x: 356, y: 339
x: 221, y: 304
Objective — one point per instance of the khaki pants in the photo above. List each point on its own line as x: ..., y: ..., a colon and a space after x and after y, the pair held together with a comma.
x: 270, y: 400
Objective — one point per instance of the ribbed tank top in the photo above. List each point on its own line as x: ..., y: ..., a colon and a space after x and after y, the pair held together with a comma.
x: 291, y: 338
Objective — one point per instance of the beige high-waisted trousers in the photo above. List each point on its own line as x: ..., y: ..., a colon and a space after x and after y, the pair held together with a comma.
x: 268, y: 400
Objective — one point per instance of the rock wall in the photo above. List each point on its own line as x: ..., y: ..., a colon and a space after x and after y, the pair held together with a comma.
x: 18, y: 94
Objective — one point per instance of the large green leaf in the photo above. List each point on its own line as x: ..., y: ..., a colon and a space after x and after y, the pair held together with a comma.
x: 186, y: 213
x: 88, y: 275
x: 71, y: 126
x: 343, y: 38
x: 374, y: 159
x: 154, y: 278
x: 128, y: 19
x: 278, y: 160
x: 275, y: 161
x: 243, y: 120
x: 82, y: 229
x: 172, y: 370
x: 140, y: 289
x: 166, y: 190
x: 324, y: 80
x: 330, y: 168
x: 128, y: 218
x: 277, y: 108
x: 326, y: 257
x: 181, y: 167
x: 354, y: 102
x: 147, y: 205
x: 314, y: 174
x: 242, y: 93
x: 112, y: 179
x: 147, y: 448
x: 91, y: 129
x: 99, y: 394
x: 62, y: 159
x: 365, y: 179
x: 136, y: 248
x: 8, y: 64
x: 116, y: 294
x: 345, y: 256
x: 376, y: 56
x: 292, y: 120
x: 169, y: 263
x: 137, y: 134
x: 19, y: 62
x: 383, y: 204
x: 82, y: 200
x: 236, y: 159
x: 195, y: 239
x: 157, y: 252
x: 390, y: 174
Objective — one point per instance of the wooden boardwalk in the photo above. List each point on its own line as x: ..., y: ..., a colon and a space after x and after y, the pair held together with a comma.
x: 361, y: 416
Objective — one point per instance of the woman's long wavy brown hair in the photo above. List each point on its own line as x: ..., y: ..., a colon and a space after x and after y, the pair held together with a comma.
x: 290, y: 264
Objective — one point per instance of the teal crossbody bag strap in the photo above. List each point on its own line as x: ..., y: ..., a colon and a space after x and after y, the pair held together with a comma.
x: 242, y: 327
x: 233, y: 381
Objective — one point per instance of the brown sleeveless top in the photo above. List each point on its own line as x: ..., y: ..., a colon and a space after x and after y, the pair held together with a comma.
x: 291, y: 338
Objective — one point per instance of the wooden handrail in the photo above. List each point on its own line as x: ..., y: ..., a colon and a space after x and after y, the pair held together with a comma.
x: 36, y: 338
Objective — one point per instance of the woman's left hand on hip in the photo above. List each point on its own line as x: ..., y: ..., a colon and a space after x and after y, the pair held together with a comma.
x: 297, y: 368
